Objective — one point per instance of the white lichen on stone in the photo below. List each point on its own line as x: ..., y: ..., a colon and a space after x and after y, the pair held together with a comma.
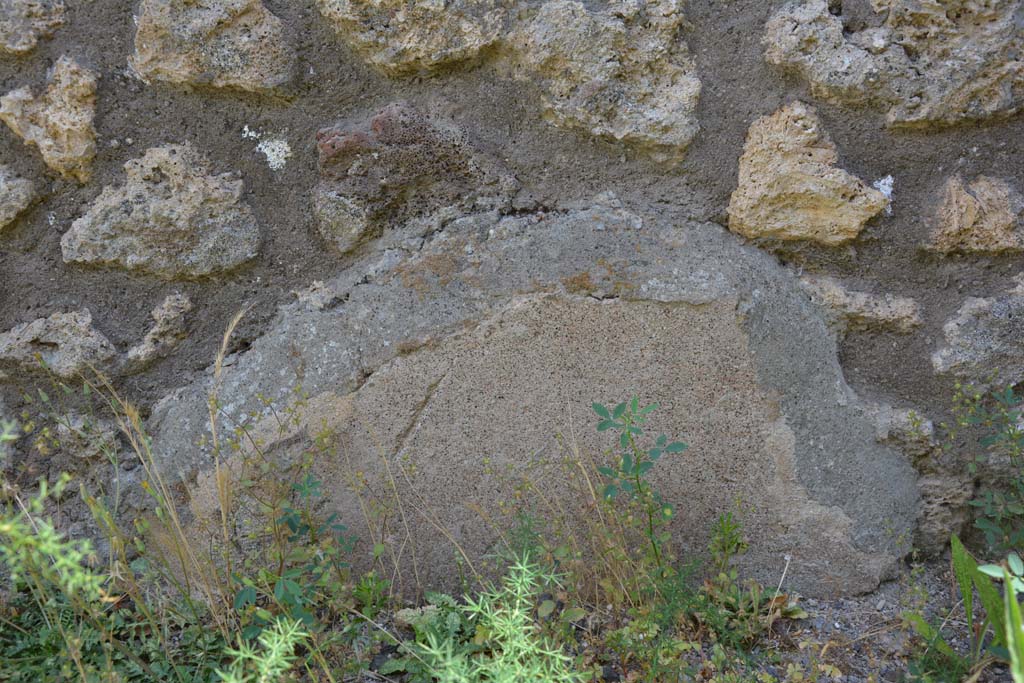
x: 885, y: 186
x: 276, y: 151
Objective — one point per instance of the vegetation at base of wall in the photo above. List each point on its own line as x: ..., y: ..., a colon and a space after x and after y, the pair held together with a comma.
x: 999, y: 415
x: 989, y: 602
x: 591, y: 596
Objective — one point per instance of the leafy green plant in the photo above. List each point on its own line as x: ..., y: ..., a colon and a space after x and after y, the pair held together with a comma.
x: 1013, y: 567
x: 311, y: 566
x: 270, y: 660
x: 740, y: 611
x: 1014, y: 627
x: 629, y: 475
x: 440, y: 620
x: 508, y: 645
x: 1000, y: 508
x: 496, y: 637
x: 987, y: 638
x: 70, y: 616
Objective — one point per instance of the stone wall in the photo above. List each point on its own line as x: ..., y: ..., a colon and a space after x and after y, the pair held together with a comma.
x: 455, y: 225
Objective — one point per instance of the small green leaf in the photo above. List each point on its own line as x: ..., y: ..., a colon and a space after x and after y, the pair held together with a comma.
x: 601, y: 411
x: 627, y: 464
x: 624, y: 439
x: 644, y: 467
x: 251, y: 631
x: 607, y: 471
x: 605, y: 424
x: 1016, y: 565
x: 393, y: 666
x: 654, y: 453
x: 245, y: 597
x: 676, y: 447
x: 929, y: 633
x: 573, y: 614
x: 635, y: 406
x: 963, y: 567
x: 545, y: 609
x: 992, y: 601
x: 1014, y: 633
x: 619, y: 410
x: 610, y: 491
x: 648, y: 409
x: 993, y: 570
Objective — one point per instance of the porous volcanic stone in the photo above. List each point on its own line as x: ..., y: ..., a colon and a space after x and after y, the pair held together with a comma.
x: 167, y: 332
x: 986, y: 215
x: 864, y: 311
x: 66, y: 343
x: 24, y: 22
x: 983, y: 340
x: 622, y: 73
x: 789, y: 185
x: 60, y: 121
x: 402, y: 38
x: 930, y: 62
x: 16, y: 194
x: 379, y: 175
x: 171, y: 218
x: 220, y: 43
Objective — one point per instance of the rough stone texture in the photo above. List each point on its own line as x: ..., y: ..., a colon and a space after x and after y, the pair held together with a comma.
x: 400, y: 171
x: 931, y: 61
x: 945, y: 487
x: 789, y: 185
x: 945, y: 509
x: 983, y: 340
x: 169, y: 329
x: 864, y: 311
x: 60, y: 121
x: 422, y: 334
x: 66, y: 343
x: 85, y: 438
x: 24, y: 22
x: 171, y: 218
x: 16, y: 195
x: 555, y: 167
x: 985, y: 216
x: 222, y: 44
x: 402, y: 38
x: 621, y: 73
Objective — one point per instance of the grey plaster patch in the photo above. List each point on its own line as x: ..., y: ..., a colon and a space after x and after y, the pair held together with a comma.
x: 853, y: 496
